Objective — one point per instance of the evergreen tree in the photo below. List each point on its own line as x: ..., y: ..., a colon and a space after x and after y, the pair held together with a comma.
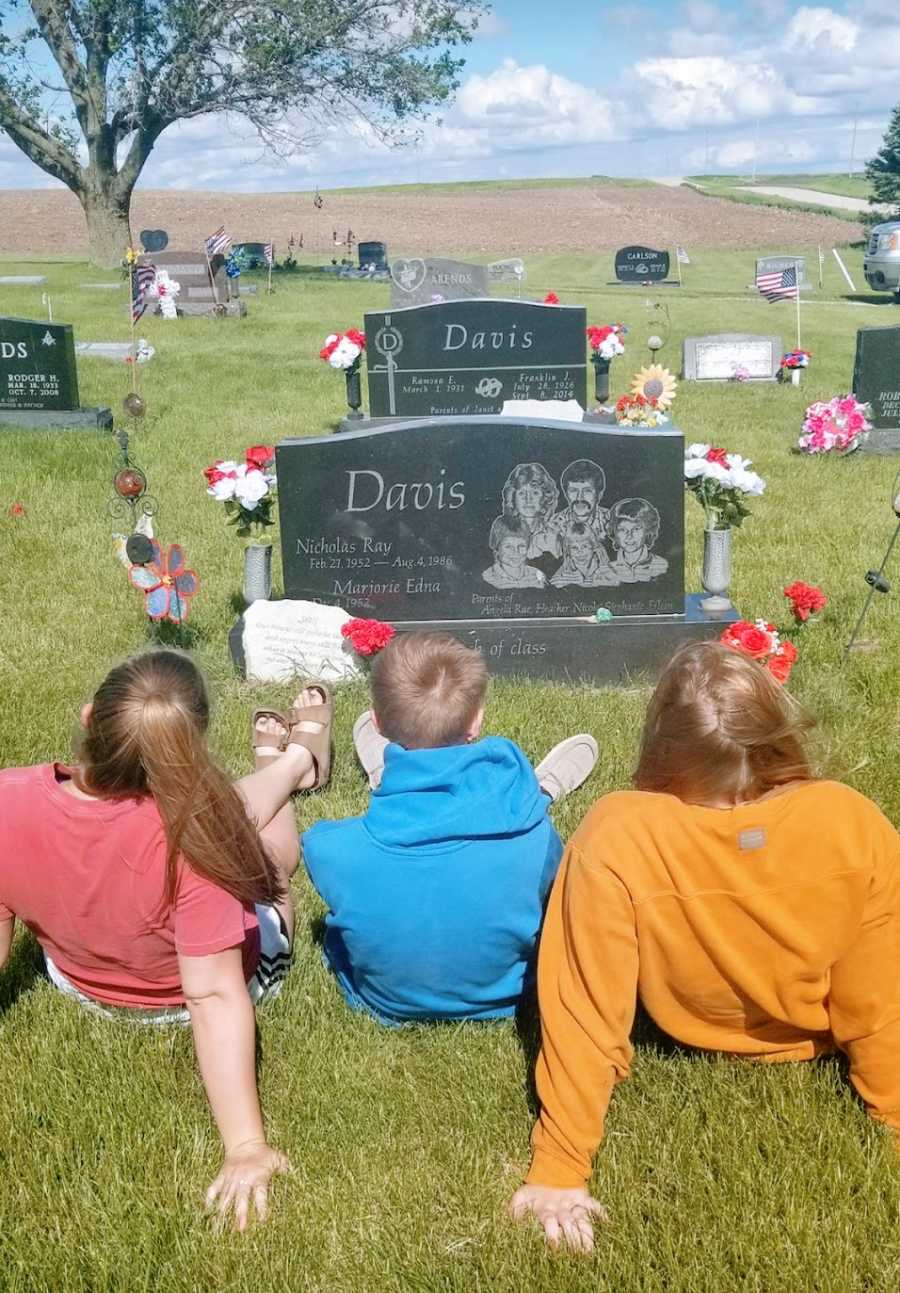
x: 883, y: 171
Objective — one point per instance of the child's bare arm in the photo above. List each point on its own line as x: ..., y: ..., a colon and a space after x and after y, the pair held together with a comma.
x: 6, y: 938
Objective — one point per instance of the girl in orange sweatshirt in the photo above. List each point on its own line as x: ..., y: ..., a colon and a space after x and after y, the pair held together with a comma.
x: 754, y: 909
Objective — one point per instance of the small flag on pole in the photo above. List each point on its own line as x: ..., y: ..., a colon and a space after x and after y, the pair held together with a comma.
x: 683, y: 257
x: 142, y: 277
x: 780, y: 285
x: 218, y: 242
x: 269, y: 253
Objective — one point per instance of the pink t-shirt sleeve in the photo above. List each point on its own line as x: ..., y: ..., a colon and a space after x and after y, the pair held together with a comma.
x: 207, y: 918
x: 5, y: 913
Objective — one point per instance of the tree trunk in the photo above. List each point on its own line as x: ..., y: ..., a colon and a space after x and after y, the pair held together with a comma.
x: 108, y: 228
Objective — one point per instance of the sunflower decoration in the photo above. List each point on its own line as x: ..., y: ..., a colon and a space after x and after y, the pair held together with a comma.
x: 655, y: 383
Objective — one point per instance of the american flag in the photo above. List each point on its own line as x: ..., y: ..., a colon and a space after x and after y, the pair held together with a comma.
x: 218, y: 241
x: 269, y: 253
x: 682, y: 256
x: 779, y: 285
x: 142, y: 277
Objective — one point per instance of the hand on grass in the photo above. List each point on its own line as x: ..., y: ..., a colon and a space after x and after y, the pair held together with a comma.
x: 245, y: 1173
x: 564, y: 1214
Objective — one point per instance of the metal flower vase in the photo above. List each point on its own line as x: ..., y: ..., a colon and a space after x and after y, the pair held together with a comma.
x: 601, y: 378
x: 354, y: 390
x: 257, y: 572
x: 716, y: 577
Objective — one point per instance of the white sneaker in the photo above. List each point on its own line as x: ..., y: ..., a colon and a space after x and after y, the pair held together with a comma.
x: 369, y: 745
x: 567, y: 765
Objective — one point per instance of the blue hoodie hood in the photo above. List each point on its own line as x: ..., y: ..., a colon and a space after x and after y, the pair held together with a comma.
x: 455, y: 793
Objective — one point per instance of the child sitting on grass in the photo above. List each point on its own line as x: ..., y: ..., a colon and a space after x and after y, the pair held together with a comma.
x: 436, y: 893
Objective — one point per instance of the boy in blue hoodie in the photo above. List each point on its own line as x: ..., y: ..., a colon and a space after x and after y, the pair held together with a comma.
x: 436, y: 893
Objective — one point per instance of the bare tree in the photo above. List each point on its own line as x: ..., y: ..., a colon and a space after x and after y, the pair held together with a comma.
x: 128, y: 69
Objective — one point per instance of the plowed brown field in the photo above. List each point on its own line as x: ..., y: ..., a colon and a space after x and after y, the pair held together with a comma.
x: 501, y: 222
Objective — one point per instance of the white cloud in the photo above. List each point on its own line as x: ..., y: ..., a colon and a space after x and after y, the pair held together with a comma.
x: 679, y: 93
x: 821, y: 32
x: 534, y: 103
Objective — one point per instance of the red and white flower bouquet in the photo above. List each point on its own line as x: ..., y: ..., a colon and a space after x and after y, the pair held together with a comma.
x: 720, y: 481
x: 762, y: 641
x: 343, y: 350
x: 248, y: 489
x: 606, y: 342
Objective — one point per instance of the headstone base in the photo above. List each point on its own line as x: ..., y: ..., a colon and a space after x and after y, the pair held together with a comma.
x: 569, y: 650
x: 209, y: 309
x: 57, y: 419
x: 366, y: 423
x: 883, y: 443
x: 660, y: 282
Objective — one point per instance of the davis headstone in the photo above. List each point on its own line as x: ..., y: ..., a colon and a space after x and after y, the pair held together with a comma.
x: 717, y: 357
x: 372, y: 254
x: 420, y: 282
x: 774, y: 264
x: 876, y: 381
x: 154, y: 239
x: 468, y: 357
x: 484, y: 518
x: 641, y: 265
x: 39, y: 378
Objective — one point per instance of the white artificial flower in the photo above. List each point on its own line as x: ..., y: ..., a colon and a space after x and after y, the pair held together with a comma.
x: 715, y: 471
x: 223, y: 489
x: 695, y: 467
x: 747, y: 481
x: 696, y: 451
x: 227, y: 467
x: 250, y: 488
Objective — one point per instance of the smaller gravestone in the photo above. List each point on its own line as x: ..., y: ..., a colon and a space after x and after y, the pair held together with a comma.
x: 374, y: 255
x: 420, y: 282
x: 876, y: 381
x: 22, y: 280
x: 507, y: 271
x: 100, y: 287
x: 154, y: 239
x: 191, y: 271
x: 118, y: 352
x: 641, y: 265
x: 722, y: 355
x: 775, y: 264
x: 468, y: 357
x: 252, y: 254
x: 39, y: 378
x: 296, y: 639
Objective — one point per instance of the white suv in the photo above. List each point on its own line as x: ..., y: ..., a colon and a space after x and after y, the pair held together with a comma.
x: 881, y: 264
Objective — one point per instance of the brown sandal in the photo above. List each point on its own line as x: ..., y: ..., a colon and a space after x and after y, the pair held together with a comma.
x: 265, y: 739
x: 318, y: 743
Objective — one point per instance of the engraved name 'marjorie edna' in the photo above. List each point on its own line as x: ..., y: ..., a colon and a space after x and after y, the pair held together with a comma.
x: 458, y: 337
x: 367, y: 488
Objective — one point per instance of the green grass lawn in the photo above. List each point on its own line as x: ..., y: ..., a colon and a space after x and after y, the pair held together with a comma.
x: 407, y: 1143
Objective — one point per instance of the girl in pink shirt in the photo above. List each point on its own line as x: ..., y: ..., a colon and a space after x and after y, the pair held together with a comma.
x: 159, y: 889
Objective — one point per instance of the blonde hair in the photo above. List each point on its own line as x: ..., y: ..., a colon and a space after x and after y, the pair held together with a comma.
x: 427, y: 689
x: 720, y: 728
x: 146, y: 735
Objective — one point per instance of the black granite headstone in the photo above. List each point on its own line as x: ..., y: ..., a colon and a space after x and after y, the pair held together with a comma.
x: 467, y: 357
x: 641, y: 265
x: 876, y: 374
x: 485, y: 518
x: 372, y: 253
x: 154, y: 239
x: 37, y: 365
x: 252, y: 254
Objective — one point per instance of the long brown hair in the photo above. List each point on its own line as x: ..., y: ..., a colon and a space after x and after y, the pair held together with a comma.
x: 146, y: 735
x: 719, y: 727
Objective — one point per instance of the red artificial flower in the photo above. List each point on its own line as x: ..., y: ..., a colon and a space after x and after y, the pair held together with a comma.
x: 780, y: 666
x: 367, y: 636
x: 17, y: 509
x: 805, y: 599
x: 213, y: 474
x: 749, y: 638
x: 358, y: 338
x: 551, y: 299
x: 717, y: 455
x: 259, y: 456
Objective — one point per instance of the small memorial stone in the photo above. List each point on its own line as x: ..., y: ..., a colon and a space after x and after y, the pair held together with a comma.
x: 252, y: 254
x: 507, y: 271
x: 373, y: 254
x: 775, y: 264
x: 717, y: 357
x: 421, y: 282
x: 468, y: 357
x: 154, y: 239
x: 876, y: 381
x: 22, y: 280
x: 296, y: 639
x: 641, y: 265
x: 39, y: 378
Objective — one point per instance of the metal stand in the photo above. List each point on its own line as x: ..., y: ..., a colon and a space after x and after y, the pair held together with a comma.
x: 877, y: 584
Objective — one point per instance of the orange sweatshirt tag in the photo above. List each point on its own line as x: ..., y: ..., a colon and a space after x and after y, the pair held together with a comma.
x: 755, y: 838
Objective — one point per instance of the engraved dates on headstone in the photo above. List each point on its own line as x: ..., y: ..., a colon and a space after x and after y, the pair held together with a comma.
x: 722, y: 355
x: 641, y: 265
x: 876, y: 374
x: 468, y: 357
x: 420, y: 282
x: 483, y: 518
x: 37, y: 365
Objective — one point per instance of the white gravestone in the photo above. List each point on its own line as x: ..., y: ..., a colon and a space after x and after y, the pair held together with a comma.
x: 293, y: 639
x: 716, y: 358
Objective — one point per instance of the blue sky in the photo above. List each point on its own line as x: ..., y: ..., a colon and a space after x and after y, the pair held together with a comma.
x: 578, y: 88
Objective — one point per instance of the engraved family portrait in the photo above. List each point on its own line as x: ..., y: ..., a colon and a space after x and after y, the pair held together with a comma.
x: 562, y: 535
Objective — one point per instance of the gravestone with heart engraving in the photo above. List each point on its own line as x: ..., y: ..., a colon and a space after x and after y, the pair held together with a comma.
x: 421, y: 282
x: 468, y: 357
x: 39, y: 378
